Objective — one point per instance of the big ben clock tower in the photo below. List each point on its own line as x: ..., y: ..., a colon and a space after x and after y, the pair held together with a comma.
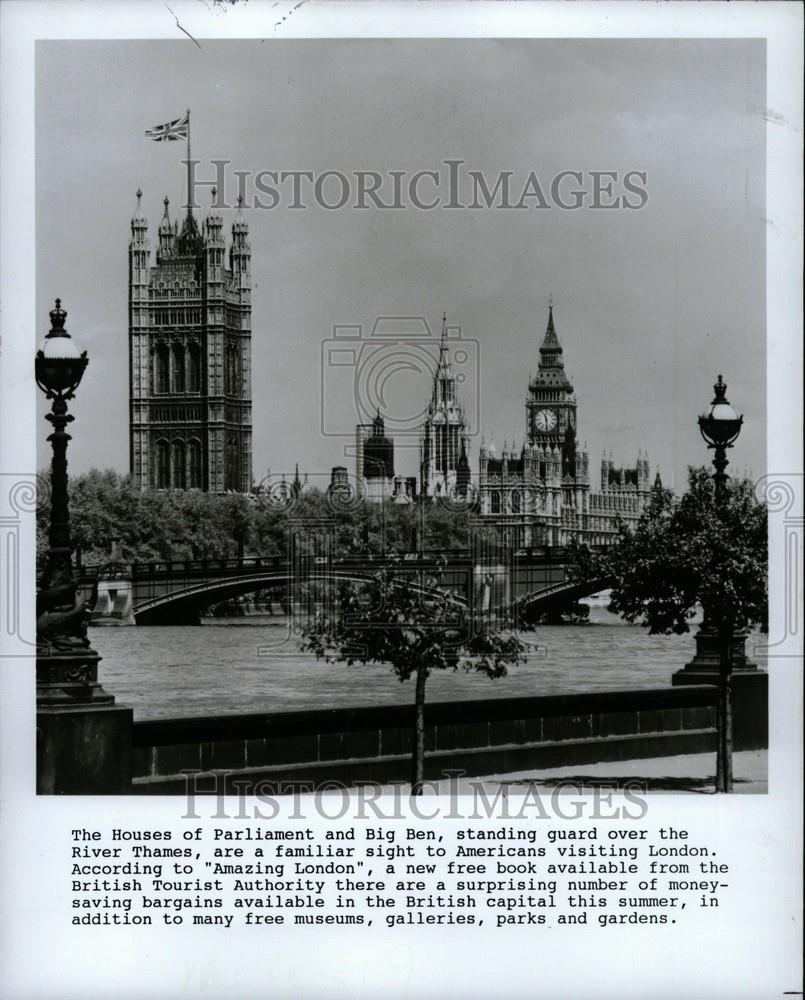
x: 551, y: 403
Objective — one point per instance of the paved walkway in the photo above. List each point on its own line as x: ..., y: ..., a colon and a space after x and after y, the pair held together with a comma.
x: 682, y: 773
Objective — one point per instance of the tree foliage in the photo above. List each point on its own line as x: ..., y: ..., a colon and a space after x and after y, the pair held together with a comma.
x: 398, y: 620
x: 393, y: 619
x: 154, y: 525
x: 687, y: 553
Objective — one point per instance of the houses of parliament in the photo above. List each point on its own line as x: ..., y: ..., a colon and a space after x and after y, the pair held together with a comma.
x: 190, y: 422
x: 190, y: 411
x: 539, y: 495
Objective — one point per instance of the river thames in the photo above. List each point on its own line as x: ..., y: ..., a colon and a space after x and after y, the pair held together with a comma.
x: 198, y: 670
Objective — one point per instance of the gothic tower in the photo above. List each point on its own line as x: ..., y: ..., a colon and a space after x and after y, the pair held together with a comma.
x: 551, y: 403
x: 190, y: 421
x: 444, y: 433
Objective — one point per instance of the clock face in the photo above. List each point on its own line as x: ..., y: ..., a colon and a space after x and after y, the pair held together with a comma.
x: 545, y: 420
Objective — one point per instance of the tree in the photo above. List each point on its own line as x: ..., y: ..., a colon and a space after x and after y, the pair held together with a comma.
x: 703, y: 551
x: 393, y: 619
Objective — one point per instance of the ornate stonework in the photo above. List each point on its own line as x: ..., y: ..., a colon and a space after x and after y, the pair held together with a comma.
x: 540, y: 495
x: 190, y: 355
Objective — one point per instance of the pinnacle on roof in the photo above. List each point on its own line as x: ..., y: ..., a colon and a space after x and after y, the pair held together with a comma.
x: 443, y: 368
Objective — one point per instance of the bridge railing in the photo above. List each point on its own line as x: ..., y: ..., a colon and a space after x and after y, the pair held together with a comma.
x: 176, y: 567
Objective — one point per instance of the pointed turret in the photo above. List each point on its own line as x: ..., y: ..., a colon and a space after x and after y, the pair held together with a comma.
x: 550, y: 332
x: 139, y: 226
x: 550, y: 352
x: 551, y: 368
x: 167, y: 233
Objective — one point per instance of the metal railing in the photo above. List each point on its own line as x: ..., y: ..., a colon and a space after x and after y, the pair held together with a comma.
x: 247, y: 564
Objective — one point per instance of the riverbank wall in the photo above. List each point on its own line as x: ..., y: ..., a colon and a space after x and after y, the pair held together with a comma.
x: 284, y: 751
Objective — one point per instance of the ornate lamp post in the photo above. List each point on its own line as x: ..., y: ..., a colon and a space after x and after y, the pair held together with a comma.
x: 720, y: 650
x: 720, y: 426
x: 73, y: 710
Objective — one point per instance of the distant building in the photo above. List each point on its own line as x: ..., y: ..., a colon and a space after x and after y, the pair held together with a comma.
x: 444, y: 452
x: 190, y: 412
x: 374, y: 466
x: 541, y: 494
x: 339, y: 482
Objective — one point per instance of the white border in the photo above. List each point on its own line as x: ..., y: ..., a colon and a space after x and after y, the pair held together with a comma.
x: 763, y: 832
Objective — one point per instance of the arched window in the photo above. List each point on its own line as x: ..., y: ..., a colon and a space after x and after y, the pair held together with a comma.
x: 177, y: 368
x: 194, y: 368
x: 232, y: 477
x: 162, y: 365
x: 232, y: 371
x: 194, y: 464
x: 515, y: 502
x: 495, y: 501
x: 163, y: 465
x: 178, y: 466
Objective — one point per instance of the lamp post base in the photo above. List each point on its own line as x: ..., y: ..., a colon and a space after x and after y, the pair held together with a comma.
x: 83, y: 738
x: 750, y: 686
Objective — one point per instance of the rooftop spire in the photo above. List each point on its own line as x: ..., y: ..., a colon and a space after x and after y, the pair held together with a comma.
x: 551, y: 341
x: 443, y: 368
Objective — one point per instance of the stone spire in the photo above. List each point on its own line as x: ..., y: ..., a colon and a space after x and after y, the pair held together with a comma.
x: 443, y: 368
x: 551, y: 368
x: 139, y: 226
x: 167, y: 233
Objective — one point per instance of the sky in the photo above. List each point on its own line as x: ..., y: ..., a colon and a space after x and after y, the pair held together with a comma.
x: 650, y: 305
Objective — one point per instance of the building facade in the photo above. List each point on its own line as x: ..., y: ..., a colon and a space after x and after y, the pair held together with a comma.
x: 190, y: 420
x: 541, y: 494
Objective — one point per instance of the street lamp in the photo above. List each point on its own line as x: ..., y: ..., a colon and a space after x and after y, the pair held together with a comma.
x: 66, y: 666
x: 720, y: 657
x: 720, y: 426
x: 83, y: 739
x: 59, y: 368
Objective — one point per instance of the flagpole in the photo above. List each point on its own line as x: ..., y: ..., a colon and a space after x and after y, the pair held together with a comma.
x: 189, y: 200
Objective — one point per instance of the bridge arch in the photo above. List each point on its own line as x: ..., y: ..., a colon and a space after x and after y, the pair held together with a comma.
x: 184, y: 606
x: 558, y: 595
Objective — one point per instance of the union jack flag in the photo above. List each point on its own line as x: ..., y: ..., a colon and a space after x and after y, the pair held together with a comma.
x: 170, y: 131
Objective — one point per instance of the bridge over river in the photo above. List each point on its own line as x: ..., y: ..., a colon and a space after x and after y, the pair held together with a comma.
x: 529, y: 582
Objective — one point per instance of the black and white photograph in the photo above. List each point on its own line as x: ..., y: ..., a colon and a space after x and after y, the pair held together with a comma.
x: 402, y: 498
